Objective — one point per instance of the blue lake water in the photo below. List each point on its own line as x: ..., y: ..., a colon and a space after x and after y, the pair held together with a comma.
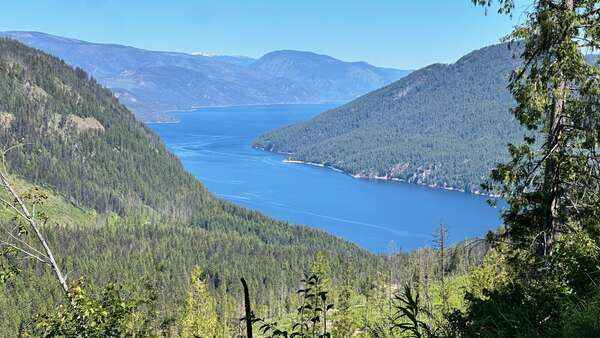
x: 214, y: 144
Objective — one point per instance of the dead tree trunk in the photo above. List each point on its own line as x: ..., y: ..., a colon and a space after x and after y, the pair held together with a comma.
x: 248, y: 309
x: 20, y: 208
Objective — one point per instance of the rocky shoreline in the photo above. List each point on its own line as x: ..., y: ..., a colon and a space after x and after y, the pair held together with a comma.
x: 375, y: 177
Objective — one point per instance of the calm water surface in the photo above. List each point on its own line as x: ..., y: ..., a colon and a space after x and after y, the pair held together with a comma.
x: 215, y: 145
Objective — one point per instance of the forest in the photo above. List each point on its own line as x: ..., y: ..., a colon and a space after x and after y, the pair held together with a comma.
x: 129, y: 207
x: 443, y: 125
x: 104, y: 234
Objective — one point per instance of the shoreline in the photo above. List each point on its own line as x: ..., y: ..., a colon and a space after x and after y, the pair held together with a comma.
x: 193, y: 109
x: 377, y: 178
x: 251, y: 105
x: 161, y: 122
x: 321, y: 165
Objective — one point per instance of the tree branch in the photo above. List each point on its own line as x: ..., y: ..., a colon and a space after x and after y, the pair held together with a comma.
x: 29, y: 254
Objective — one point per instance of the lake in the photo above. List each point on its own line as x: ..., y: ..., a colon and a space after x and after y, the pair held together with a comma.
x: 214, y: 144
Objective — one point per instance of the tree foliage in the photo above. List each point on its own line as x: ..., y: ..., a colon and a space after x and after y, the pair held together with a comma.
x: 112, y: 313
x: 552, y: 181
x: 200, y: 318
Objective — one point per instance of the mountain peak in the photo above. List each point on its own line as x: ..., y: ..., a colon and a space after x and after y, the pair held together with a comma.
x: 202, y: 54
x: 290, y: 53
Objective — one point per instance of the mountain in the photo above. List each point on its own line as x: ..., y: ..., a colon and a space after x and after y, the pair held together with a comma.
x: 443, y: 125
x: 152, y: 83
x: 126, y: 206
x: 239, y: 60
x: 236, y: 60
x: 333, y: 79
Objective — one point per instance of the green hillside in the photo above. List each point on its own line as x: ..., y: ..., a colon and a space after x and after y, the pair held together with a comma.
x: 126, y: 208
x: 443, y: 125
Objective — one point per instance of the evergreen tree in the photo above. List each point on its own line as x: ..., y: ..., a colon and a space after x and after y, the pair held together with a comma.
x: 344, y: 323
x: 440, y: 241
x: 552, y: 182
x: 322, y: 268
x: 200, y: 315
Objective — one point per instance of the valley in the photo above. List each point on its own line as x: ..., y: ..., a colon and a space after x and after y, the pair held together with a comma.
x: 269, y: 190
x: 214, y: 144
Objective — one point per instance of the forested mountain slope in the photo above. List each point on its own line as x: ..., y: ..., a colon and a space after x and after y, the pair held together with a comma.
x: 135, y: 211
x: 443, y: 125
x: 151, y: 83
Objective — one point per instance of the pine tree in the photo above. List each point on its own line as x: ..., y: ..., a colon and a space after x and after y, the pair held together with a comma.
x: 440, y: 242
x: 200, y: 314
x: 551, y: 182
x: 322, y: 268
x: 344, y: 323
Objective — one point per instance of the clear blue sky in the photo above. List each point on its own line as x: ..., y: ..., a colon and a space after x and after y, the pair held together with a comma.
x: 394, y: 33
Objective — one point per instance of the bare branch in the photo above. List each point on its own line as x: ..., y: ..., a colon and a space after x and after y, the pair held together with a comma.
x: 26, y: 244
x: 15, y: 146
x: 15, y: 209
x: 29, y: 254
x: 27, y: 216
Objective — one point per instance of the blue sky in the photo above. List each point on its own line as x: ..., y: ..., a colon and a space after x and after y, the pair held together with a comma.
x: 393, y: 33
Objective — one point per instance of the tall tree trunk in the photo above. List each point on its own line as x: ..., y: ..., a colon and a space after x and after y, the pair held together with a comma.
x: 552, y: 169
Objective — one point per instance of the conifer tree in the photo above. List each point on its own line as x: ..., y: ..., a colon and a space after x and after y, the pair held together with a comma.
x: 344, y: 323
x: 200, y: 315
x: 552, y: 181
x: 321, y: 267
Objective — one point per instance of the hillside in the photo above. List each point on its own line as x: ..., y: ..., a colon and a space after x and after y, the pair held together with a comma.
x: 332, y: 79
x: 443, y: 125
x: 151, y: 83
x: 127, y: 207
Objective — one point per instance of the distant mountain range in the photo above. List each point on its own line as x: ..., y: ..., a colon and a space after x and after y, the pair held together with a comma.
x: 151, y: 83
x: 332, y: 79
x: 236, y: 60
x: 443, y: 125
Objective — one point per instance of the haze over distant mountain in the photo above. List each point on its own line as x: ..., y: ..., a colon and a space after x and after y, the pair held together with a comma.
x: 236, y: 60
x: 331, y: 78
x: 443, y: 125
x: 152, y: 83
